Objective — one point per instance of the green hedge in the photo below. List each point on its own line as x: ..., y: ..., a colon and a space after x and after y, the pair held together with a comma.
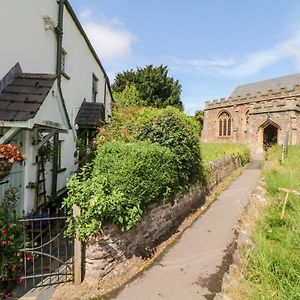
x: 125, y: 178
x: 173, y: 129
x: 144, y: 155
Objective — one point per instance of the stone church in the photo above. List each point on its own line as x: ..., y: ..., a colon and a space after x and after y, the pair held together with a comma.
x: 259, y: 114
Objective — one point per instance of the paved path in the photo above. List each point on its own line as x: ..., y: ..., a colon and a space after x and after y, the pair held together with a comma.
x: 188, y: 270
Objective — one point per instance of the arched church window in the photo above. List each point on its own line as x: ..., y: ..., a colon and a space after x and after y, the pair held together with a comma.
x: 225, y: 123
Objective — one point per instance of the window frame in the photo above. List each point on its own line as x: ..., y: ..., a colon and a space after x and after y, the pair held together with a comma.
x: 224, y: 124
x: 63, y: 64
x: 59, y: 157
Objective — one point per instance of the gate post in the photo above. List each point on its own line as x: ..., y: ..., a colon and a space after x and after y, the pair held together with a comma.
x: 77, y: 252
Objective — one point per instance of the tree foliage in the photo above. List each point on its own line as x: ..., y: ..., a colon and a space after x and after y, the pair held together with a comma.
x: 199, y: 117
x: 153, y: 84
x: 128, y: 96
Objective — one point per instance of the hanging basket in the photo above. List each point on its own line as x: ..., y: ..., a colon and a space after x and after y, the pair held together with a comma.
x: 5, y: 167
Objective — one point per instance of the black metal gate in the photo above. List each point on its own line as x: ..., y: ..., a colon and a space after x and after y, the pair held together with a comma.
x: 48, y: 254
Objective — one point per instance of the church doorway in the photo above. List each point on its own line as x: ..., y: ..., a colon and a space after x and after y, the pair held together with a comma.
x: 270, y: 136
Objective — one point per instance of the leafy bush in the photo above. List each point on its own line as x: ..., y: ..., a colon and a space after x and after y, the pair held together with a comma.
x: 123, y: 126
x: 128, y: 96
x: 171, y: 128
x: 11, y: 240
x: 125, y: 178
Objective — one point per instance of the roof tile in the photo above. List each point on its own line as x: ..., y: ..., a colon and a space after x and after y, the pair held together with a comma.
x: 21, y: 100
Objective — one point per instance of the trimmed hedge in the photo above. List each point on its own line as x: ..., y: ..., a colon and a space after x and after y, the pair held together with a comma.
x: 125, y: 178
x: 173, y: 129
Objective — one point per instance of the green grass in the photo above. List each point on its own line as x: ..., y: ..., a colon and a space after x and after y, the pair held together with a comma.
x: 273, y: 271
x: 213, y: 151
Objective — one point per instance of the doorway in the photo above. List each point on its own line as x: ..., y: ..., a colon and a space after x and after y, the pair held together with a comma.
x: 270, y: 136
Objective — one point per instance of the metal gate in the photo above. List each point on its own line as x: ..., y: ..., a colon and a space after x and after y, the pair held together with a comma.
x: 48, y: 254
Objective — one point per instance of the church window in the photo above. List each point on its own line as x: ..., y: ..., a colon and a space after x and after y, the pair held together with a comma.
x: 225, y: 123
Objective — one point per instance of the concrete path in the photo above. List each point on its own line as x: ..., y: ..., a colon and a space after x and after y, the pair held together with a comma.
x: 192, y: 267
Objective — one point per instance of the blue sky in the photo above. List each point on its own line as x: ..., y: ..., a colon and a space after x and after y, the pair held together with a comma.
x: 209, y: 46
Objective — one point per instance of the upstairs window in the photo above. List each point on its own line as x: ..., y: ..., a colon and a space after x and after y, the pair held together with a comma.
x: 64, y: 63
x: 224, y: 124
x: 94, y: 88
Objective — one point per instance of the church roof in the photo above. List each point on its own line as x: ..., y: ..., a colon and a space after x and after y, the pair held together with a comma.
x: 274, y: 84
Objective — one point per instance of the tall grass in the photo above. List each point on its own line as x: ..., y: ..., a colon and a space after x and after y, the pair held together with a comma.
x: 213, y: 151
x: 273, y: 270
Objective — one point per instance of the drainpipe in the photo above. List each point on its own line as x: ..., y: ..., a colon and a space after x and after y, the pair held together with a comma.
x: 59, y: 38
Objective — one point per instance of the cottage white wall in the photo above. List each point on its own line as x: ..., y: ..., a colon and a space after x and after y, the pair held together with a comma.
x: 30, y: 172
x: 24, y: 38
x: 32, y: 44
x: 80, y: 67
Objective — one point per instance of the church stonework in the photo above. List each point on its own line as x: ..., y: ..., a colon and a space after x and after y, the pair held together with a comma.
x: 258, y: 114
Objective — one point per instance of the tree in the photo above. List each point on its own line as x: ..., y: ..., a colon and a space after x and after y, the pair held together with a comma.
x: 153, y: 84
x: 199, y: 117
x: 128, y: 96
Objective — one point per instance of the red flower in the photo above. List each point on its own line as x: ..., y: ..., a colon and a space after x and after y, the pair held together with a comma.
x: 4, y: 231
x: 29, y: 257
x: 4, y: 242
x: 21, y: 280
x: 8, y: 295
x: 10, y: 152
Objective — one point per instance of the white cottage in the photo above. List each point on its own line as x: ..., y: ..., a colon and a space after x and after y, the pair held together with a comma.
x: 53, y: 89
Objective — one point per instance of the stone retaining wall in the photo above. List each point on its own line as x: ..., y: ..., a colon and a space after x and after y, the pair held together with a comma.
x: 160, y: 221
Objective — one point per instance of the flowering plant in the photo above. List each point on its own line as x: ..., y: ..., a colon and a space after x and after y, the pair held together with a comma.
x: 11, y: 240
x: 10, y: 152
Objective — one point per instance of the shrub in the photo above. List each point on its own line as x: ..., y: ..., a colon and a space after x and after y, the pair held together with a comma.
x: 125, y: 178
x: 171, y: 128
x: 123, y: 126
x: 11, y: 240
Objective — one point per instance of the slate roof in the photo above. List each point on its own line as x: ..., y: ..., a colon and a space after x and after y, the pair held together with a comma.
x: 90, y: 114
x: 274, y: 84
x: 22, y: 98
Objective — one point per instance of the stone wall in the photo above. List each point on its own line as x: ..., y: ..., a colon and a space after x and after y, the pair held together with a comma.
x: 160, y: 221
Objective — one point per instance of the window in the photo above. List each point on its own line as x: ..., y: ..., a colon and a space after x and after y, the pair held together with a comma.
x: 245, y: 121
x: 225, y: 124
x: 94, y: 88
x: 59, y: 155
x: 64, y: 59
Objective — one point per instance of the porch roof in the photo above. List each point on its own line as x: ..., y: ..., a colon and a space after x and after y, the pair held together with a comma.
x: 90, y: 114
x: 23, y: 97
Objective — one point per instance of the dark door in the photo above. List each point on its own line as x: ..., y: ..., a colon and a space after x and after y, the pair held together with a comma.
x: 270, y: 136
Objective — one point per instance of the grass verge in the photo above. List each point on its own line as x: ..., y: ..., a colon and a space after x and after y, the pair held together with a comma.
x: 271, y: 267
x: 214, y: 151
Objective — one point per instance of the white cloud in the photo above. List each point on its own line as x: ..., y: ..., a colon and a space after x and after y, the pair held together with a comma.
x: 242, y: 66
x: 111, y: 40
